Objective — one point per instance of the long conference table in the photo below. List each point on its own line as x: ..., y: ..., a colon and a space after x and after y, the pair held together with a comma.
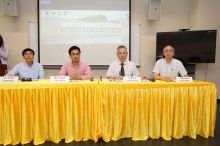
x: 42, y: 111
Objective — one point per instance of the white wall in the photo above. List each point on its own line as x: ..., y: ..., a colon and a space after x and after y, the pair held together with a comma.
x: 204, y: 15
x: 175, y: 14
x: 15, y: 29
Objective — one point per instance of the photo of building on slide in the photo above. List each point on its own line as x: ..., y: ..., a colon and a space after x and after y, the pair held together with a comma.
x: 84, y: 27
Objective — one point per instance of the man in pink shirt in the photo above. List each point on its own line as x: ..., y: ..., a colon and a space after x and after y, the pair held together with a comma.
x: 76, y: 69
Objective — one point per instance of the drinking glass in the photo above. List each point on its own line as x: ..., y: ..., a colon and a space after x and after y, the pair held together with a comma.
x: 50, y: 73
x: 117, y: 78
x: 6, y: 72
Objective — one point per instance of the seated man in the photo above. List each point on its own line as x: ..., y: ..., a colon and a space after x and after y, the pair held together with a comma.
x: 76, y: 69
x: 168, y: 68
x: 122, y: 67
x: 29, y: 68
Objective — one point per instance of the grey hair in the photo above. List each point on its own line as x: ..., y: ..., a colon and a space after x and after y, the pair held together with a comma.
x: 121, y: 46
x: 169, y: 46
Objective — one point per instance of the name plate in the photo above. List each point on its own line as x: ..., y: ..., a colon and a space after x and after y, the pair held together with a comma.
x: 184, y: 79
x: 9, y: 79
x: 59, y: 78
x: 131, y: 79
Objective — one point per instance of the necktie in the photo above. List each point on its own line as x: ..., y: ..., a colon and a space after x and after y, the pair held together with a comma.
x: 122, y: 70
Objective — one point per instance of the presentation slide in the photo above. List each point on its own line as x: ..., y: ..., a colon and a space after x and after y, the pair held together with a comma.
x: 98, y: 27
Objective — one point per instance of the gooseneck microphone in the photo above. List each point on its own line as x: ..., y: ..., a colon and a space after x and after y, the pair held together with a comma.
x: 152, y: 80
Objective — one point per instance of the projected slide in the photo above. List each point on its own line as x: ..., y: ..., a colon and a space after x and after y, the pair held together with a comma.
x: 95, y: 26
x: 87, y: 27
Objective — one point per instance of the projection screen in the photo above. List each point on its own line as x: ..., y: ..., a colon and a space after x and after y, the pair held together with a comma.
x: 97, y: 27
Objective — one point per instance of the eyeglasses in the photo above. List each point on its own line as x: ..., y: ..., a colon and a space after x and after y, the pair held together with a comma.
x: 166, y: 51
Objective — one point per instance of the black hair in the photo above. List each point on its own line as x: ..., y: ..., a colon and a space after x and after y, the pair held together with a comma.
x: 1, y: 42
x: 74, y: 48
x: 27, y: 49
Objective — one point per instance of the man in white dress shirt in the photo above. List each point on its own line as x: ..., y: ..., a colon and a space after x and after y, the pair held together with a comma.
x: 122, y: 67
x: 168, y: 68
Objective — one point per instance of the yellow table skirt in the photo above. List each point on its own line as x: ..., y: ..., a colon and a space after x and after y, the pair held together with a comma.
x: 41, y: 111
x: 159, y: 109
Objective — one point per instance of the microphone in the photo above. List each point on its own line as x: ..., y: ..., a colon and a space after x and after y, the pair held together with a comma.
x: 152, y: 80
x: 26, y: 79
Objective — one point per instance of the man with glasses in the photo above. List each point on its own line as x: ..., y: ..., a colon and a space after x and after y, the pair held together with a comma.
x: 76, y: 69
x: 168, y: 68
x: 29, y: 68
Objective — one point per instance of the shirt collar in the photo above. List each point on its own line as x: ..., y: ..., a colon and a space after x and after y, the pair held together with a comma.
x: 167, y: 62
x: 28, y: 65
x: 119, y: 62
x: 75, y: 66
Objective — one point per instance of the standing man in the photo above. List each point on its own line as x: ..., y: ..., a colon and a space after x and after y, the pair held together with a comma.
x: 168, y: 67
x: 29, y: 68
x: 76, y: 69
x: 122, y: 67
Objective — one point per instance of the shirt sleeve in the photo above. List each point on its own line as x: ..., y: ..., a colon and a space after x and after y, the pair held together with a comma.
x: 182, y: 69
x: 110, y: 72
x: 63, y: 71
x: 4, y: 54
x: 135, y: 71
x: 157, y: 67
x: 41, y: 72
x: 14, y: 71
x: 88, y: 74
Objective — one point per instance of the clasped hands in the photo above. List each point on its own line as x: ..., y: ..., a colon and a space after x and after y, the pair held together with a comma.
x: 166, y: 78
x: 143, y: 77
x: 75, y: 76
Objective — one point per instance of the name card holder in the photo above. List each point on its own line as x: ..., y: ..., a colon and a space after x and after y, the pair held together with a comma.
x: 131, y: 79
x: 59, y: 78
x: 9, y: 79
x: 184, y: 79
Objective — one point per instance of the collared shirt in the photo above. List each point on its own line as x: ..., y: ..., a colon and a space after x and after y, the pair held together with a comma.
x: 83, y: 69
x: 115, y: 67
x: 4, y: 54
x: 23, y: 70
x: 171, y: 69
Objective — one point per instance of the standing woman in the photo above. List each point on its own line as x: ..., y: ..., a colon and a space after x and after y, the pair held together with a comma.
x: 4, y: 52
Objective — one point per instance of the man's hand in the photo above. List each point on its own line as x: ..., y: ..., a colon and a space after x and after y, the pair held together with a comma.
x: 116, y: 77
x: 166, y: 78
x: 144, y: 77
x: 75, y: 76
x: 11, y: 75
